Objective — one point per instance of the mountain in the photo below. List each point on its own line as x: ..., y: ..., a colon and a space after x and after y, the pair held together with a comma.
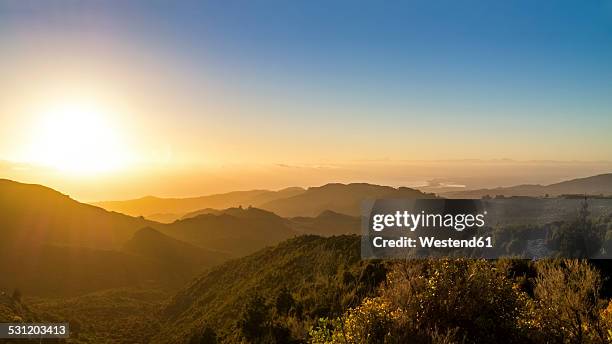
x: 323, y: 276
x: 54, y: 245
x: 328, y: 223
x: 180, y: 206
x: 163, y: 217
x: 202, y: 212
x: 236, y: 231
x: 180, y: 257
x: 37, y: 215
x: 340, y: 198
x: 595, y: 185
x: 249, y: 212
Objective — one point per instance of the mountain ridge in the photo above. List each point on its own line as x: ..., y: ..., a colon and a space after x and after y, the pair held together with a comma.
x: 591, y: 185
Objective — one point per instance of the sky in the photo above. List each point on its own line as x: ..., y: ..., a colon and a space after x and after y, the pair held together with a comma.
x: 156, y: 85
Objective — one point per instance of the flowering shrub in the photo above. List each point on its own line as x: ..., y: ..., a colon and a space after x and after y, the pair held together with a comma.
x: 475, y: 301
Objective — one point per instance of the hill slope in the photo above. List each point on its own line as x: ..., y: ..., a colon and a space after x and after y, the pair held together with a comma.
x: 340, y: 198
x: 235, y: 231
x: 595, y: 185
x: 177, y: 256
x: 328, y: 223
x: 35, y: 214
x: 323, y: 275
x: 54, y: 245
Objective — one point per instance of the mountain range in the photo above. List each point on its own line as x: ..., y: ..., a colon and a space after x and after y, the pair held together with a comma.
x: 63, y: 246
x: 594, y: 185
x: 170, y: 209
x: 290, y: 202
x: 52, y: 244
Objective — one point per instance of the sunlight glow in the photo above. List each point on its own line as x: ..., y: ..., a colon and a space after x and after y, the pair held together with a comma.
x: 77, y: 138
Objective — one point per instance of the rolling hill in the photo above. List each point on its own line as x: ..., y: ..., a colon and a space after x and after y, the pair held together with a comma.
x: 175, y: 208
x: 290, y: 202
x: 594, y: 185
x: 36, y: 215
x: 340, y: 198
x: 236, y: 231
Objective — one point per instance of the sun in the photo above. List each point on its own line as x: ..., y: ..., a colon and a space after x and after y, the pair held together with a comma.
x: 77, y: 138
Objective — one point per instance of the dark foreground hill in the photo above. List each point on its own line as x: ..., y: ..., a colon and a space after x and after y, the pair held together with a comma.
x: 306, y: 278
x: 594, y: 185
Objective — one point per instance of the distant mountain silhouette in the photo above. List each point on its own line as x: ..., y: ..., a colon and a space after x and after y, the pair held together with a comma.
x: 248, y: 212
x: 163, y: 217
x: 340, y: 198
x: 202, y: 212
x: 154, y: 206
x: 595, y: 185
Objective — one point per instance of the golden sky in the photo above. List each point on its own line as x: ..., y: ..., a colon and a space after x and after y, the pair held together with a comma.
x: 105, y: 94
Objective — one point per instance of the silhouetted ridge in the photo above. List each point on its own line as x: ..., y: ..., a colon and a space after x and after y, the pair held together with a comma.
x: 594, y: 185
x: 34, y: 214
x: 180, y: 206
x: 337, y: 197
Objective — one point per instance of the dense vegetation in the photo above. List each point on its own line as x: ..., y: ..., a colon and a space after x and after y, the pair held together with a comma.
x: 278, y: 292
x: 475, y: 301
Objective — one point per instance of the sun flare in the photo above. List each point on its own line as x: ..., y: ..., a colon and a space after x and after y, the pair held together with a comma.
x: 77, y: 138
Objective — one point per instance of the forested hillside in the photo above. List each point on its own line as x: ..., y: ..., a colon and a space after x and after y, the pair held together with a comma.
x: 290, y: 286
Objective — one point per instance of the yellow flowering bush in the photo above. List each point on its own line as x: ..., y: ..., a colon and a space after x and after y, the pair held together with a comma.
x: 475, y: 301
x: 606, y: 321
x: 370, y: 322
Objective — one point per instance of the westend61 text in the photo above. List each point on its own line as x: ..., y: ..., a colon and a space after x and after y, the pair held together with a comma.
x: 432, y: 242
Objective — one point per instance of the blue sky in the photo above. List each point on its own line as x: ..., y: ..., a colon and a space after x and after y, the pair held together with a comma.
x: 506, y: 79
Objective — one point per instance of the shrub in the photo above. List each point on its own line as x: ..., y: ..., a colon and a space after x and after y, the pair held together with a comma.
x: 567, y: 302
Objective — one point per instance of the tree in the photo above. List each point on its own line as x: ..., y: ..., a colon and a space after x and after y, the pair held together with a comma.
x: 255, y: 323
x: 580, y: 238
x: 284, y: 301
x: 207, y: 336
